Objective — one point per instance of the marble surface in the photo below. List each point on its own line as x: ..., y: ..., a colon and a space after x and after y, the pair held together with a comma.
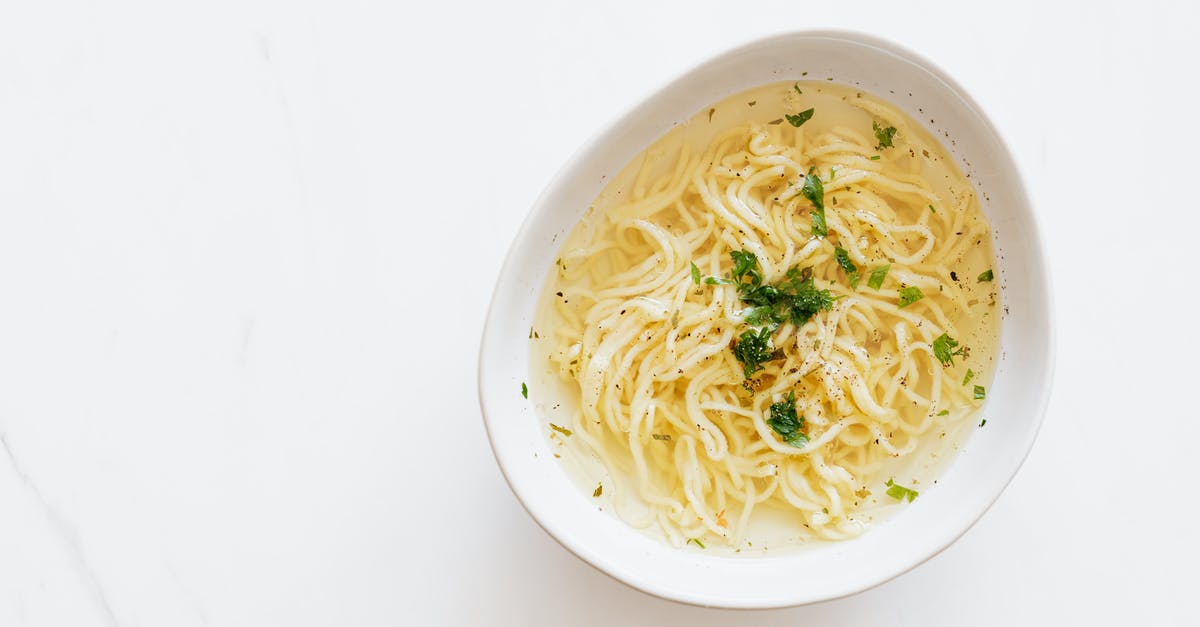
x: 246, y: 250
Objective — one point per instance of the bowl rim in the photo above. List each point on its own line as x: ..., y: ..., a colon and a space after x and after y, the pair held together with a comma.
x: 1036, y: 245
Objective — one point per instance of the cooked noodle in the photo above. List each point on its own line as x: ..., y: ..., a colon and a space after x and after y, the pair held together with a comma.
x: 663, y: 402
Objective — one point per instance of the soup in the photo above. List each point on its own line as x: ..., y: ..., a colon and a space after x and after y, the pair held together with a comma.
x: 773, y: 327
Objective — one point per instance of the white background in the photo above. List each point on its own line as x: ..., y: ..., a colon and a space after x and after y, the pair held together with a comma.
x: 246, y: 250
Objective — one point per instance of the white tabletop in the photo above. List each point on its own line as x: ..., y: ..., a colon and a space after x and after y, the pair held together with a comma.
x: 246, y: 250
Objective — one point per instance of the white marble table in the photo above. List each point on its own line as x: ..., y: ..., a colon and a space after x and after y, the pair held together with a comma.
x: 246, y: 248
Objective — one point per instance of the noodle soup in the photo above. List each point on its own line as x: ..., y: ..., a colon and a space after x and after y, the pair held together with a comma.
x: 773, y: 327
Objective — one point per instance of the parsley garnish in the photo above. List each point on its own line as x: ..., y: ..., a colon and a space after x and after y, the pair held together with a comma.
x: 696, y: 541
x: 843, y: 260
x: 814, y: 191
x: 877, y: 276
x: 795, y: 299
x: 796, y: 86
x: 944, y: 412
x: 899, y: 492
x: 986, y: 276
x: 970, y: 375
x: 695, y: 274
x: 932, y: 209
x: 910, y: 295
x: 980, y: 393
x: 712, y: 280
x: 799, y: 118
x: 524, y: 390
x: 752, y: 349
x: 943, y: 349
x: 874, y: 157
x: 661, y: 436
x: 786, y: 423
x: 983, y: 422
x: 566, y: 432
x: 884, y: 135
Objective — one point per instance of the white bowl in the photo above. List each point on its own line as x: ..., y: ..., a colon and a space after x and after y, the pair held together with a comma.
x: 991, y: 456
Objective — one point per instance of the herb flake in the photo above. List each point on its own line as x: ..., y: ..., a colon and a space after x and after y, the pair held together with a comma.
x: 980, y: 393
x: 786, y: 423
x: 883, y: 135
x: 899, y: 492
x: 562, y: 430
x: 524, y: 390
x: 910, y: 295
x: 943, y: 349
x: 695, y: 274
x: 799, y: 119
x: 814, y: 191
x: 878, y: 274
x: 843, y: 260
x: 986, y: 276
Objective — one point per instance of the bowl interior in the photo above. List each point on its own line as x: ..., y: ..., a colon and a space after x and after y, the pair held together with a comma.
x: 1016, y: 398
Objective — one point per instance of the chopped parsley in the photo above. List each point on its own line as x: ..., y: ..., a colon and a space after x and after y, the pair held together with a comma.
x: 599, y: 490
x: 883, y: 135
x: 943, y: 349
x: 843, y: 260
x: 970, y: 375
x: 695, y: 274
x: 877, y: 276
x: 524, y: 390
x: 696, y: 541
x: 910, y: 295
x: 874, y: 157
x: 795, y: 299
x: 661, y: 436
x: 712, y: 280
x: 786, y: 423
x: 899, y: 492
x: 932, y: 209
x: 797, y: 86
x: 986, y: 276
x: 752, y: 349
x: 980, y: 393
x: 944, y: 412
x: 562, y: 430
x: 800, y: 118
x: 814, y: 191
x: 983, y: 422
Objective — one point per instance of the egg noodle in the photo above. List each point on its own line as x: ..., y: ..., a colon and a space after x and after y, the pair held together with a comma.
x: 667, y: 407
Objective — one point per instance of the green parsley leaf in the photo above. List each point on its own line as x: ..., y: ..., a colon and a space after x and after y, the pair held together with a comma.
x: 874, y: 157
x: 932, y: 209
x: 745, y: 265
x: 562, y: 430
x: 752, y: 349
x: 814, y: 191
x: 800, y: 118
x: 843, y: 260
x: 796, y: 86
x: 806, y: 300
x: 980, y: 393
x: 877, y: 276
x: 712, y: 280
x: 696, y: 541
x: 944, y: 412
x: 695, y: 274
x: 910, y: 295
x: 983, y: 422
x: 786, y: 423
x: 899, y: 492
x: 661, y: 436
x: 970, y: 375
x: 986, y: 276
x: 943, y: 349
x: 524, y: 390
x: 883, y: 135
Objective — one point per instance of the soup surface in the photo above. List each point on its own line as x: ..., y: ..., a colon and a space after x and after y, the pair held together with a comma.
x: 772, y: 327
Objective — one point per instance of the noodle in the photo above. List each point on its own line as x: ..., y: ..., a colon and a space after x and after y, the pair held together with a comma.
x: 666, y: 406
